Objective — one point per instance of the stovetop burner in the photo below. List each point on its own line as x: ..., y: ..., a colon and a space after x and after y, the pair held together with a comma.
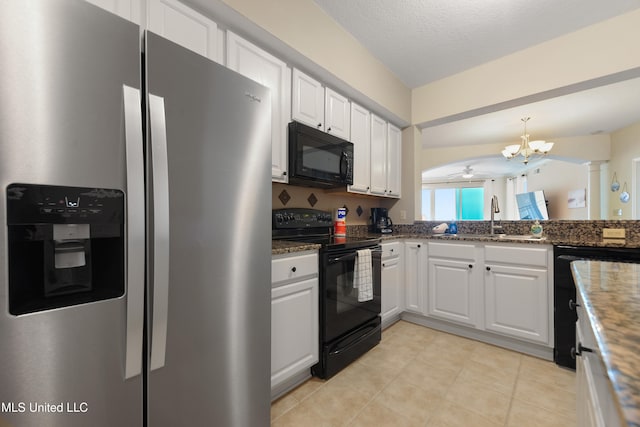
x: 313, y: 226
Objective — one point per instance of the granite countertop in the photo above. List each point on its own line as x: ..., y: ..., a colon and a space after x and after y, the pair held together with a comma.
x: 611, y: 295
x: 524, y: 239
x: 284, y: 247
x: 280, y: 247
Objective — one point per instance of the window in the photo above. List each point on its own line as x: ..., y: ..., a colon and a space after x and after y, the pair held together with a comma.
x: 459, y: 201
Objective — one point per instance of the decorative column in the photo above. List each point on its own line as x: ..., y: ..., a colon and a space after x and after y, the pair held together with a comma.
x: 594, y: 191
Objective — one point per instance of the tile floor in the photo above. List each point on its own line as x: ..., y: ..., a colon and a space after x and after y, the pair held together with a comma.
x: 421, y: 377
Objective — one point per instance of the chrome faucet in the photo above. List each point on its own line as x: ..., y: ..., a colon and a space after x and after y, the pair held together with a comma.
x: 494, y: 210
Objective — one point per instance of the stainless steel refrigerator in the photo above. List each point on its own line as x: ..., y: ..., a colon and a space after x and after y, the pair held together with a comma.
x: 135, y: 241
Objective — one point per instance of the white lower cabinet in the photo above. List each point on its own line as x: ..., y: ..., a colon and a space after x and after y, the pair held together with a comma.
x: 294, y: 317
x: 501, y: 293
x: 392, y: 303
x: 454, y: 291
x: 596, y: 405
x: 415, y: 275
x: 517, y: 298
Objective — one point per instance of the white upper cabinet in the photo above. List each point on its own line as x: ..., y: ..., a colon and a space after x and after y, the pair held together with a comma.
x: 320, y: 107
x: 378, y: 156
x: 361, y: 139
x: 337, y: 114
x: 256, y: 64
x: 307, y: 103
x: 127, y: 9
x: 394, y: 161
x: 386, y: 158
x: 186, y: 27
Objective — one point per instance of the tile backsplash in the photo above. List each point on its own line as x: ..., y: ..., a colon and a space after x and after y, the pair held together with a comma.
x: 358, y: 206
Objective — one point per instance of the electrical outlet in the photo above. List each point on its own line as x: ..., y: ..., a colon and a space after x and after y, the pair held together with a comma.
x: 613, y: 233
x: 403, y: 214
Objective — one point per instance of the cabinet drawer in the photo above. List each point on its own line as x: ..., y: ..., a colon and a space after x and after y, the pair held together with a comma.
x: 391, y: 249
x: 516, y: 255
x: 452, y: 250
x: 293, y: 267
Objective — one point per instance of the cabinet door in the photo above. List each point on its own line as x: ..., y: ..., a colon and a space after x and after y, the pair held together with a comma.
x: 256, y: 64
x: 337, y: 114
x: 453, y: 291
x: 378, y: 156
x: 392, y: 304
x: 516, y: 302
x: 394, y: 161
x: 307, y: 103
x: 586, y: 397
x: 294, y: 329
x: 415, y: 254
x: 361, y: 139
x: 184, y: 26
x: 127, y: 9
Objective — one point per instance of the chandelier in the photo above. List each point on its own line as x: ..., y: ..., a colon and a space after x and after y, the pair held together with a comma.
x: 527, y: 148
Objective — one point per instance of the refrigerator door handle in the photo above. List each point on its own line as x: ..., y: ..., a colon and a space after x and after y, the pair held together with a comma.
x: 135, y: 231
x: 160, y: 178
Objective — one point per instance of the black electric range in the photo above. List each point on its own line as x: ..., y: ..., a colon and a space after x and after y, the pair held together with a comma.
x: 314, y: 226
x: 349, y: 324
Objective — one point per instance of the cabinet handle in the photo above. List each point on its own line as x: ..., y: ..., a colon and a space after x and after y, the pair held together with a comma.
x: 293, y: 269
x: 391, y: 250
x: 284, y: 173
x: 580, y: 350
x: 418, y: 245
x: 573, y: 305
x: 488, y: 268
x: 383, y: 264
x: 319, y: 125
x: 329, y: 130
x: 470, y: 265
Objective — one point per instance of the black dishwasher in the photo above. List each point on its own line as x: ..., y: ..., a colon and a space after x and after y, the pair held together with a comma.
x: 565, y: 293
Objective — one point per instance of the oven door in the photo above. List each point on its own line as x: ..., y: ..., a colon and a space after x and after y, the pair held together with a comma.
x: 340, y: 310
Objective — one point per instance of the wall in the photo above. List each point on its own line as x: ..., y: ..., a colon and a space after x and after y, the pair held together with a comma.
x: 577, y: 149
x: 600, y: 50
x: 556, y: 179
x: 329, y: 200
x: 625, y: 146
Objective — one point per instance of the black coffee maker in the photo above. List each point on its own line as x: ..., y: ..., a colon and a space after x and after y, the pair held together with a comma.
x: 380, y: 221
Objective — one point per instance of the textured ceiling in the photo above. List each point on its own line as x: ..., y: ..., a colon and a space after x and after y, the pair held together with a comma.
x: 421, y: 41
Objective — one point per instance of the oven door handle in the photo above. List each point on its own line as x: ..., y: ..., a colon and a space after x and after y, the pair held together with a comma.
x: 350, y: 256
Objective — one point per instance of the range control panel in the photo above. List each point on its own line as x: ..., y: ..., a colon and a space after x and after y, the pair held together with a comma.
x: 300, y: 218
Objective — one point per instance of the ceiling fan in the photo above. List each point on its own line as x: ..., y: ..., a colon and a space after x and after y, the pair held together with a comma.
x: 466, y: 173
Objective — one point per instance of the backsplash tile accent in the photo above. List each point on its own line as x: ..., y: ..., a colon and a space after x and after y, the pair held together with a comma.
x: 284, y: 197
x: 328, y: 200
x: 312, y: 199
x: 359, y: 210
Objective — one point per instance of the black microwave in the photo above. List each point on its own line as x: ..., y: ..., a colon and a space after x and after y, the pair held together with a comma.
x: 318, y: 159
